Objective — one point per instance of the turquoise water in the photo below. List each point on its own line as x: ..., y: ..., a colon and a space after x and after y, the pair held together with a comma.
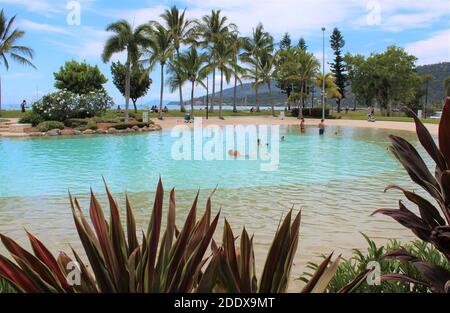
x: 133, y: 163
x: 337, y: 181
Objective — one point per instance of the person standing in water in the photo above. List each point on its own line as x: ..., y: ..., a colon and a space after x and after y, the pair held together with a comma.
x: 321, y: 127
x: 302, y: 126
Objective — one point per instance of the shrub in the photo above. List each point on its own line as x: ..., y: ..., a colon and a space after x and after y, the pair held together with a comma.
x: 100, y: 119
x: 93, y: 104
x: 91, y: 124
x: 49, y: 125
x: 57, y: 106
x: 313, y: 112
x: 5, y: 286
x: 130, y: 125
x: 348, y: 269
x: 31, y: 118
x: 76, y: 122
x: 432, y: 225
x: 63, y: 105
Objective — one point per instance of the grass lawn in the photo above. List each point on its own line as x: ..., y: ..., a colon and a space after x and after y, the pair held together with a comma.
x: 199, y: 113
x: 11, y: 113
x: 351, y: 115
x: 362, y: 115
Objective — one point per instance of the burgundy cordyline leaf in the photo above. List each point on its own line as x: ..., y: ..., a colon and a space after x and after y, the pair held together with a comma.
x: 245, y: 265
x: 400, y: 254
x: 274, y: 254
x: 15, y: 275
x: 409, y: 220
x: 101, y: 229
x: 428, y: 212
x: 119, y: 244
x: 176, y: 256
x: 133, y: 242
x: 444, y: 132
x: 414, y: 165
x: 315, y: 278
x: 441, y: 238
x: 230, y: 249
x: 34, y: 263
x: 402, y: 278
x: 428, y: 143
x: 155, y: 231
x: 436, y: 275
x: 47, y: 258
x: 445, y: 186
x: 193, y: 264
x: 356, y: 282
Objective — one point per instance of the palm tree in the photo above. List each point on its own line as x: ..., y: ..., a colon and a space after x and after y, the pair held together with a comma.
x: 160, y: 50
x: 237, y: 70
x: 266, y: 69
x: 331, y: 89
x: 193, y: 67
x: 213, y: 28
x: 10, y: 48
x: 127, y: 39
x: 306, y: 66
x: 182, y: 31
x: 426, y: 79
x: 224, y: 55
x: 260, y: 42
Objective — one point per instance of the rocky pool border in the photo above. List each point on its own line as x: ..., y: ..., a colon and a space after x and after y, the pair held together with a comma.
x: 76, y: 132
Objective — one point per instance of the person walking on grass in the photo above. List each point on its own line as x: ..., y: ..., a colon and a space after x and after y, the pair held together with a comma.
x: 23, y: 106
x: 321, y: 127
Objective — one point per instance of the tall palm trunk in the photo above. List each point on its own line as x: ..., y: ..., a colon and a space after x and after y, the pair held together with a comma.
x: 127, y: 89
x: 134, y: 105
x: 192, y: 98
x: 270, y: 93
x: 235, y: 94
x: 0, y: 94
x: 300, y: 105
x: 211, y: 107
x: 162, y: 92
x: 221, y: 94
x: 256, y: 91
x: 180, y: 87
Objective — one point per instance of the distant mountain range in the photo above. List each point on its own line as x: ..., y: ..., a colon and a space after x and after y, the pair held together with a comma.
x: 246, y: 94
x: 440, y: 72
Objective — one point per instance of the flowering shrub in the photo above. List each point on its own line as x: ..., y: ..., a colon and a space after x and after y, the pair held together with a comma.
x: 93, y: 103
x: 62, y: 105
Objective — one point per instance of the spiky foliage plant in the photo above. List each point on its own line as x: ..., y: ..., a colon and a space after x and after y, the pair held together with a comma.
x: 432, y: 225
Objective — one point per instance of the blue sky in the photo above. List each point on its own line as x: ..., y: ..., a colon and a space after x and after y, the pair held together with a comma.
x: 421, y: 27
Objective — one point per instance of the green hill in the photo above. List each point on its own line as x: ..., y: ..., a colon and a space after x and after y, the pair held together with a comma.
x: 440, y: 72
x: 246, y: 94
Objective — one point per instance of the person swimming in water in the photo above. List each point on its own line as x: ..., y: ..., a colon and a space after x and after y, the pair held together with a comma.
x: 234, y: 153
x: 321, y: 127
x: 282, y: 139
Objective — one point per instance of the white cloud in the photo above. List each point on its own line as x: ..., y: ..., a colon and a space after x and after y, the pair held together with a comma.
x: 30, y: 25
x: 48, y: 8
x: 433, y: 49
x: 44, y: 7
x: 400, y: 15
